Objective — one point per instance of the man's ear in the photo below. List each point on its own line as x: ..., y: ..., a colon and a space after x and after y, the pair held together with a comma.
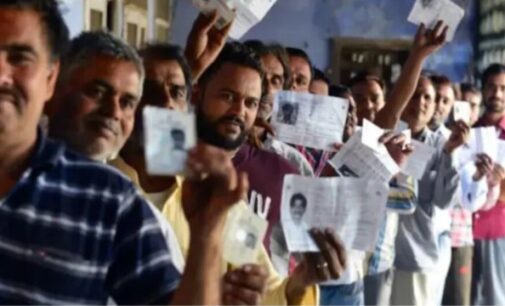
x: 52, y: 79
x: 196, y: 95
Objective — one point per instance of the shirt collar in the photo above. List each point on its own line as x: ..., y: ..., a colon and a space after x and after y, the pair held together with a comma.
x: 47, y: 151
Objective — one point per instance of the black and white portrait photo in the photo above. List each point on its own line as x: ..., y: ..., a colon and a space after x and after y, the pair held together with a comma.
x: 288, y: 113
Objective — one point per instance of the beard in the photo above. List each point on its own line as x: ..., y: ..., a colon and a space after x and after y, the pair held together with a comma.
x: 208, y: 132
x: 494, y: 105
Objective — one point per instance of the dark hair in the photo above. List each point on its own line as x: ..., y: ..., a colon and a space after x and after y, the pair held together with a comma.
x: 300, y: 197
x: 340, y: 91
x: 467, y: 87
x: 319, y: 75
x: 295, y: 52
x: 442, y: 80
x: 365, y: 76
x: 169, y: 52
x: 98, y: 43
x: 276, y: 50
x: 54, y: 26
x: 235, y: 53
x: 490, y: 71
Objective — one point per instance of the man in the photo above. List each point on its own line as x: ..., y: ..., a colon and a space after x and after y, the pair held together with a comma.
x: 444, y: 102
x: 320, y: 84
x: 368, y: 91
x: 298, y: 206
x: 77, y: 221
x: 423, y: 242
x: 472, y: 95
x: 301, y: 70
x: 178, y: 139
x: 278, y: 77
x: 489, y: 228
x: 302, y: 74
x: 227, y: 98
x: 288, y: 113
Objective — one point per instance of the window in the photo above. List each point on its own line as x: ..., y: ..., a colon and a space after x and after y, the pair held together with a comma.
x: 131, y: 34
x: 96, y: 20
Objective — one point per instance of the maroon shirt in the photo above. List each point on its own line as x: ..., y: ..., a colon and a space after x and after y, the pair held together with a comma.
x: 266, y: 171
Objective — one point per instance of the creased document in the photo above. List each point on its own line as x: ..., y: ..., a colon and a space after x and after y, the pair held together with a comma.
x: 168, y: 137
x: 418, y: 160
x: 243, y: 236
x: 245, y: 14
x: 359, y: 160
x: 430, y: 12
x: 500, y: 159
x: 462, y: 111
x: 309, y: 120
x: 484, y: 140
x: 353, y: 207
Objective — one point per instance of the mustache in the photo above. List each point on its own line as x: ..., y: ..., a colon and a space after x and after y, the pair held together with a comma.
x: 14, y: 94
x: 107, y: 123
x: 233, y: 119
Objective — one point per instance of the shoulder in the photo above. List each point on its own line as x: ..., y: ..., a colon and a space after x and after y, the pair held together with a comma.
x: 73, y: 171
x: 271, y: 159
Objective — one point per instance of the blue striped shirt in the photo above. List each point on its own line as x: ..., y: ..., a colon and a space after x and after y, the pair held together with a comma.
x: 73, y: 231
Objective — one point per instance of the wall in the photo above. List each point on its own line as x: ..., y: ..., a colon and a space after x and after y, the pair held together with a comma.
x: 73, y: 13
x: 309, y: 24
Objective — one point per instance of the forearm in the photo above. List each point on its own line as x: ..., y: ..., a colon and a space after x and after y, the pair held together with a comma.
x: 200, y: 283
x: 446, y: 182
x: 388, y: 117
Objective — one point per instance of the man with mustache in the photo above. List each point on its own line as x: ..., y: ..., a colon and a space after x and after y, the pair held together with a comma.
x: 423, y: 241
x: 73, y: 230
x: 488, y: 279
x: 97, y: 93
x: 226, y: 99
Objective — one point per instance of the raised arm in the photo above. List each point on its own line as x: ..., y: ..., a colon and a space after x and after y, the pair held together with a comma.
x: 204, y: 43
x: 426, y: 42
x: 214, y: 188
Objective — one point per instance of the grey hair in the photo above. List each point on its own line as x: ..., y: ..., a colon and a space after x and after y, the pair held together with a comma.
x: 98, y: 43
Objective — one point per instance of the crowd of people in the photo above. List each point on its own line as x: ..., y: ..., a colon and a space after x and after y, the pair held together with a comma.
x: 82, y: 221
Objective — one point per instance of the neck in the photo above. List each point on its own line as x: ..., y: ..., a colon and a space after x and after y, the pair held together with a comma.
x: 416, y: 128
x: 261, y: 133
x: 149, y: 183
x: 435, y: 126
x: 14, y: 161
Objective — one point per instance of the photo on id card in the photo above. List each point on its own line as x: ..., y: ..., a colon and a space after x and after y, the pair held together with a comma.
x: 168, y: 137
x: 296, y: 208
x: 243, y: 236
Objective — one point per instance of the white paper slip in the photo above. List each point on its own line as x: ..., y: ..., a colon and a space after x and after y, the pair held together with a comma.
x: 500, y: 159
x: 249, y: 13
x: 430, y: 12
x: 309, y: 120
x: 484, y: 140
x: 418, y: 160
x: 358, y: 160
x: 353, y: 207
x: 224, y: 9
x: 370, y: 135
x: 168, y: 137
x: 401, y: 126
x: 462, y: 111
x: 245, y: 14
x: 243, y: 236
